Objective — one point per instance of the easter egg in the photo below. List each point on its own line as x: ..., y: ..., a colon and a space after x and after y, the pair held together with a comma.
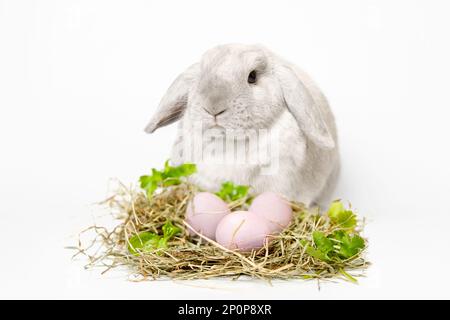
x: 274, y: 208
x: 204, y: 213
x: 243, y: 231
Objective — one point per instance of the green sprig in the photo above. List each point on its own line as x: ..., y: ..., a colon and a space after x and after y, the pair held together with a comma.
x: 343, y: 243
x: 169, y: 176
x: 148, y: 241
x: 230, y: 192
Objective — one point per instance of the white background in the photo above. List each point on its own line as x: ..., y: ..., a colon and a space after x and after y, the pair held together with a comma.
x: 80, y: 79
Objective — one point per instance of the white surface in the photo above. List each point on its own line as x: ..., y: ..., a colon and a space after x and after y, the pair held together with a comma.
x: 79, y: 80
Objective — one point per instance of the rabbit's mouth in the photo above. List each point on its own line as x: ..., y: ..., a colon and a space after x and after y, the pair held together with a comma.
x: 217, y: 127
x: 212, y: 125
x: 214, y: 129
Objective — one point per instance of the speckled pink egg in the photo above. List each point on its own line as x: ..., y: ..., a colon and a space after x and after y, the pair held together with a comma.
x: 274, y: 208
x: 242, y: 230
x: 204, y: 213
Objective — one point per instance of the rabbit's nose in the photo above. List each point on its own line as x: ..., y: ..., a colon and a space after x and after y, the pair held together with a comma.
x: 215, y: 111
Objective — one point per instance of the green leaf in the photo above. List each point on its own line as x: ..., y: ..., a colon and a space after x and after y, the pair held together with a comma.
x: 147, y: 241
x: 171, y: 182
x: 230, y: 192
x: 341, y: 217
x: 225, y: 190
x: 346, y: 219
x: 153, y: 244
x: 143, y: 242
x: 157, y: 175
x: 169, y: 230
x: 145, y: 181
x: 316, y: 253
x: 167, y: 167
x: 240, y: 192
x: 169, y: 176
x: 336, y: 208
x: 342, y: 244
x: 151, y: 188
x: 338, y: 235
x: 323, y: 244
x: 349, y: 245
x: 185, y: 170
x: 323, y: 247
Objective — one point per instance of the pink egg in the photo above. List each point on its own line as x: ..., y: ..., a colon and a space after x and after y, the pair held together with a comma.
x: 242, y: 230
x: 204, y: 213
x: 274, y: 208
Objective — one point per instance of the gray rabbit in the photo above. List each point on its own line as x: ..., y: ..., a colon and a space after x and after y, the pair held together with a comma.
x: 245, y: 88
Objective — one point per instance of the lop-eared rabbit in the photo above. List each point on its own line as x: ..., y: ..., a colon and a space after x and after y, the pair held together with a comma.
x: 247, y: 88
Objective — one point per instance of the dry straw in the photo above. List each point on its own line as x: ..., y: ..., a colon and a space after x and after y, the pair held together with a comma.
x: 198, y: 257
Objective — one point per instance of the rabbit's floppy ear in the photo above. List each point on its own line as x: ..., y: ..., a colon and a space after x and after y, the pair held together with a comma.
x: 304, y: 108
x: 174, y: 102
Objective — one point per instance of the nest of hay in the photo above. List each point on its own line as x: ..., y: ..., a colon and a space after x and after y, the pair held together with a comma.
x: 188, y: 257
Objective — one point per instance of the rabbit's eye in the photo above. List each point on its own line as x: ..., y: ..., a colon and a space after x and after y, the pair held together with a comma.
x: 252, y: 77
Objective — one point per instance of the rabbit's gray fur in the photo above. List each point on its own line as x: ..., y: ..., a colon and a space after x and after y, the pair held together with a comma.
x: 283, y: 99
